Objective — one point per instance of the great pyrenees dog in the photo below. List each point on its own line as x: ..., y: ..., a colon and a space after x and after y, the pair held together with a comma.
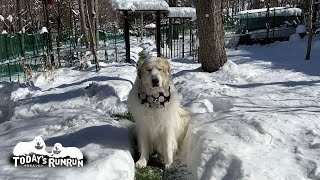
x: 59, y: 151
x: 36, y: 146
x: 161, y: 123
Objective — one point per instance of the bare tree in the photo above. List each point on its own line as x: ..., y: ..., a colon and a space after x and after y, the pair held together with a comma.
x: 212, y: 54
x: 20, y: 27
x: 310, y: 4
x: 83, y: 23
x: 93, y: 43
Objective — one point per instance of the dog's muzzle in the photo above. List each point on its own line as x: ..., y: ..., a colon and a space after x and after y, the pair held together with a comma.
x: 156, y: 100
x: 155, y: 82
x: 38, y: 147
x: 56, y: 152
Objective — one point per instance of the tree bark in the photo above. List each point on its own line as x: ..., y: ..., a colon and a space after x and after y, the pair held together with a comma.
x: 92, y: 39
x: 212, y: 54
x: 173, y: 3
x: 20, y: 27
x: 96, y: 20
x: 83, y: 23
x: 310, y: 29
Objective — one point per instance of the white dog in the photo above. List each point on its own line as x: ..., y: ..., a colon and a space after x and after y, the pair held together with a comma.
x: 37, y: 146
x: 59, y: 151
x: 161, y: 123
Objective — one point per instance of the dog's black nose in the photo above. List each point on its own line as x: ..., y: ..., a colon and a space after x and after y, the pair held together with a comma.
x: 155, y: 82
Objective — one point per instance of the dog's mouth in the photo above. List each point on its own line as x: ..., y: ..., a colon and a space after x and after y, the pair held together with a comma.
x: 38, y: 147
x: 56, y: 152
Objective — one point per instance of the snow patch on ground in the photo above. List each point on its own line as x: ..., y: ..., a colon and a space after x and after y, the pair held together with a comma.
x: 255, y: 118
x: 73, y: 108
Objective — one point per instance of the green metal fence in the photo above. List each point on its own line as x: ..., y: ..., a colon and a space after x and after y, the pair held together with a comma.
x: 18, y: 51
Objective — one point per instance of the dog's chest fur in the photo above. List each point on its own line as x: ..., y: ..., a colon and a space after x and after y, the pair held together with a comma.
x: 155, y: 120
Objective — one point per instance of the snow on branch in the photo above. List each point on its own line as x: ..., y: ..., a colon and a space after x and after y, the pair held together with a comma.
x: 140, y: 5
x: 182, y: 12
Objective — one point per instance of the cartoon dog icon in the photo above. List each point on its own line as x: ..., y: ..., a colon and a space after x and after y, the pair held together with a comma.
x: 36, y: 146
x: 59, y: 151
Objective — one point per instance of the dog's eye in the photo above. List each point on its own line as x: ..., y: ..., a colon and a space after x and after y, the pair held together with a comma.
x: 159, y: 69
x: 149, y: 70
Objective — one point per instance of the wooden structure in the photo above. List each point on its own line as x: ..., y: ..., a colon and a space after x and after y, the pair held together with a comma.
x: 139, y: 6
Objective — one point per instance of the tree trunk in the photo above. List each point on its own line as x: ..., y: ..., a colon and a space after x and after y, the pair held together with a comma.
x: 310, y: 29
x: 20, y: 28
x: 96, y: 20
x: 141, y: 27
x: 173, y: 3
x: 92, y: 10
x: 92, y: 39
x: 212, y: 54
x: 59, y: 32
x: 31, y: 16
x: 83, y: 23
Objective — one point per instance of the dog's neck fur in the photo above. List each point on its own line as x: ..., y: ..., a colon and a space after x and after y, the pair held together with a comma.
x: 157, y: 100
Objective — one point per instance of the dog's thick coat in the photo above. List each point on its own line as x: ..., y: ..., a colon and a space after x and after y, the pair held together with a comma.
x: 159, y: 129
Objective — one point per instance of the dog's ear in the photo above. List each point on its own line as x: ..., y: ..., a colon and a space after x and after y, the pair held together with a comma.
x: 166, y: 66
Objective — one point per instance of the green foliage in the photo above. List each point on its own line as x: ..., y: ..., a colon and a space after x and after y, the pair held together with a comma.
x: 141, y: 56
x: 149, y: 173
x: 119, y: 116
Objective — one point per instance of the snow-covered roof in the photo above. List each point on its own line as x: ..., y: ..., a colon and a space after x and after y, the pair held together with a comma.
x: 151, y: 26
x: 280, y: 11
x: 140, y: 5
x: 182, y: 12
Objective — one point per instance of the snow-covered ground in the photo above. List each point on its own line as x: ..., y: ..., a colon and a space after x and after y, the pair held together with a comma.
x: 256, y: 118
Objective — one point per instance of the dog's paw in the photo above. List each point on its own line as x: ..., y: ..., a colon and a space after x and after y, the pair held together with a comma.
x: 142, y: 163
x: 169, y: 167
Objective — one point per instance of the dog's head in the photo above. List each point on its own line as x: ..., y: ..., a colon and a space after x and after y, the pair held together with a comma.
x: 39, y: 143
x: 154, y: 74
x: 57, y: 148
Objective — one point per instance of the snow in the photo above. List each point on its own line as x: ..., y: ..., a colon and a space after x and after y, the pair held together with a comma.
x: 43, y: 30
x: 76, y: 12
x: 1, y: 18
x: 301, y: 29
x: 4, y: 32
x: 64, y: 108
x: 151, y: 26
x: 139, y: 5
x: 255, y: 118
x: 182, y: 12
x: 279, y: 32
x: 10, y: 18
x: 294, y: 37
x: 280, y: 11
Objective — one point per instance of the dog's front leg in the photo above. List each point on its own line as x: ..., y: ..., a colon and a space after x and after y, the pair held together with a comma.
x: 144, y: 149
x: 169, y: 148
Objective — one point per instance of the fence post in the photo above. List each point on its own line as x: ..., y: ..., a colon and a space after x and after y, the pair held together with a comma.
x: 190, y: 41
x: 247, y: 30
x: 182, y: 38
x: 274, y: 21
x: 158, y: 33
x: 126, y: 35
